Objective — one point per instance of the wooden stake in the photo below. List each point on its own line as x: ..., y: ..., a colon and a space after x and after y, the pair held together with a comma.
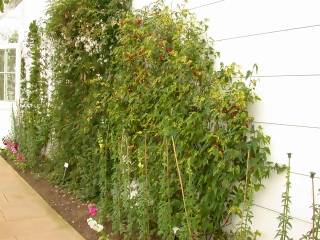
x: 181, y: 185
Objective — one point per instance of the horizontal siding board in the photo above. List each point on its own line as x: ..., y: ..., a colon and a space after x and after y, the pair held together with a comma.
x: 293, y: 52
x: 265, y: 220
x: 291, y: 100
x: 234, y: 17
x: 300, y: 192
x: 302, y: 143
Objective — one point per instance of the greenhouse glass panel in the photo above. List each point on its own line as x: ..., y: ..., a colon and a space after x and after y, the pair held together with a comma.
x: 1, y: 60
x: 7, y: 74
x: 1, y: 86
x: 11, y: 60
x: 10, y: 86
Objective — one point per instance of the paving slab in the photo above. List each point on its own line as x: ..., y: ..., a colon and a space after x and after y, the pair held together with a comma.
x: 24, y: 215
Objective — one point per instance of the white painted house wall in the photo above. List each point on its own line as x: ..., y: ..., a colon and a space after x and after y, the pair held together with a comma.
x: 17, y: 19
x: 286, y: 100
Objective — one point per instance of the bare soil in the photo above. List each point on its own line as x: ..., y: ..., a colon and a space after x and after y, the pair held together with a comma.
x: 72, y: 209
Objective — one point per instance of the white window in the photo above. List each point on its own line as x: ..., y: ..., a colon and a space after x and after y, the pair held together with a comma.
x: 8, y: 74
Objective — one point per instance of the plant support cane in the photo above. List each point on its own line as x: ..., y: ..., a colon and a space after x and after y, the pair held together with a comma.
x: 245, y: 204
x: 181, y: 185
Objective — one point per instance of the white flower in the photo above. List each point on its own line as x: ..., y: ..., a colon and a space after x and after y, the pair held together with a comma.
x: 133, y: 189
x: 90, y: 222
x: 94, y: 225
x: 175, y: 230
x: 133, y: 194
x: 134, y: 185
x: 98, y: 228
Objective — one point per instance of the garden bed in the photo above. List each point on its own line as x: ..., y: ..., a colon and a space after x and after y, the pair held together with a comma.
x: 72, y: 209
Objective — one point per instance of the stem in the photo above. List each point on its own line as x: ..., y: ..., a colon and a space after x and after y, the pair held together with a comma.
x: 312, y: 174
x: 147, y: 183
x: 168, y: 170
x: 287, y: 199
x: 245, y: 192
x: 181, y: 185
x: 145, y: 158
x: 64, y: 173
x: 317, y: 222
x: 106, y: 162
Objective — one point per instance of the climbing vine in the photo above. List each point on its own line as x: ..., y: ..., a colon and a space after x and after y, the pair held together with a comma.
x: 32, y: 121
x: 314, y: 233
x: 285, y: 218
x: 165, y: 88
x: 152, y: 130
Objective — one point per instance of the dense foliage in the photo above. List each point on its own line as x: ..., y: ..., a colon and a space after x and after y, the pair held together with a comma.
x: 83, y: 35
x: 152, y: 130
x: 166, y: 93
x: 31, y: 124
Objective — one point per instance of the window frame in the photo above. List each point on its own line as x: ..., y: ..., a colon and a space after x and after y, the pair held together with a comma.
x: 16, y: 72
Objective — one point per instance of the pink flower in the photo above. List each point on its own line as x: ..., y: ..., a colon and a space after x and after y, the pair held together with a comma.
x: 92, y: 210
x: 13, y: 149
x: 11, y: 145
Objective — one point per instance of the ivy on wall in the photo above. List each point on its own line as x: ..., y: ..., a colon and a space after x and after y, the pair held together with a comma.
x: 152, y: 130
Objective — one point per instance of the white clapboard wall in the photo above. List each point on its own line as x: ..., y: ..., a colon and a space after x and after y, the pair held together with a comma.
x: 283, y: 38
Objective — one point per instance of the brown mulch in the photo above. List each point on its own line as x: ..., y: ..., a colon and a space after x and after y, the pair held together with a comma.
x: 72, y: 209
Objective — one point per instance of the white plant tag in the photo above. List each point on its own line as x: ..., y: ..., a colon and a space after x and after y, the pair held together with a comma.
x: 66, y: 165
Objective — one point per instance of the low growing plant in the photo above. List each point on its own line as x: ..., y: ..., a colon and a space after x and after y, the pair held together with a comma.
x: 12, y: 152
